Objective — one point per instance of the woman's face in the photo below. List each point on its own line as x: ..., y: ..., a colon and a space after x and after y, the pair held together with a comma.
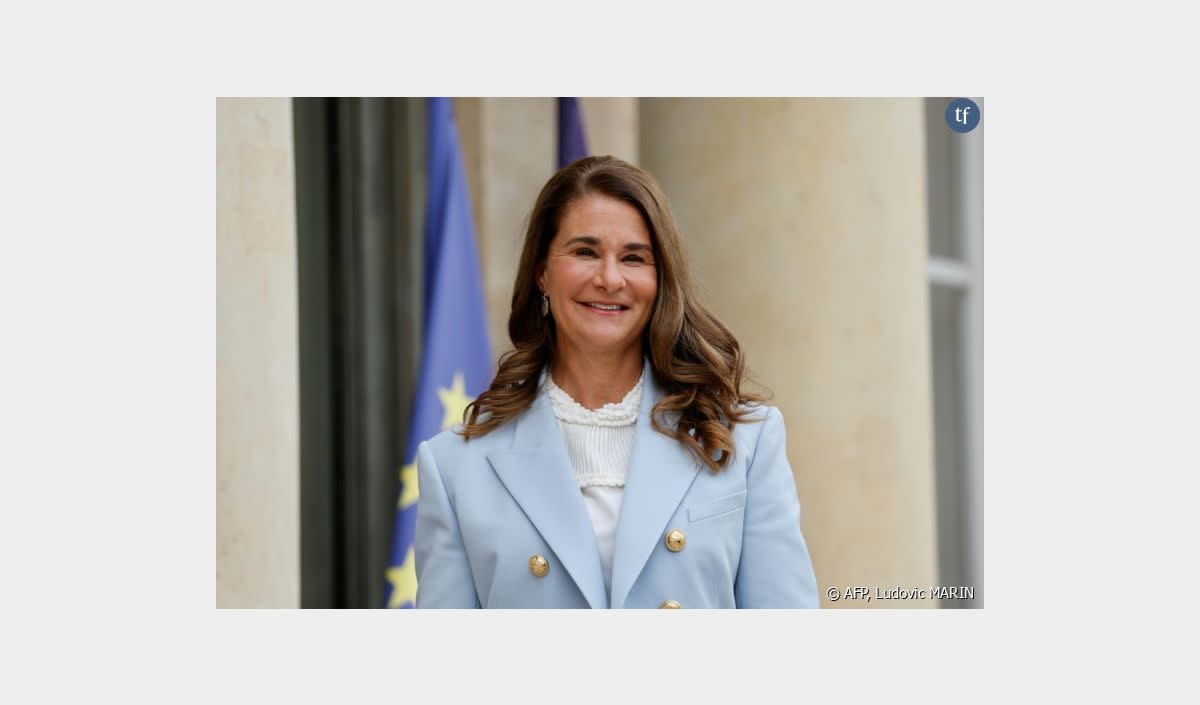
x: 600, y: 276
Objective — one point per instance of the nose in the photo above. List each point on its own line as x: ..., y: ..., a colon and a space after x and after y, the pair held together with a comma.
x: 609, y: 276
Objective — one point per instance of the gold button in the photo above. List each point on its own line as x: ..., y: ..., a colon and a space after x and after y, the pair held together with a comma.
x: 675, y: 540
x: 670, y: 605
x: 538, y: 566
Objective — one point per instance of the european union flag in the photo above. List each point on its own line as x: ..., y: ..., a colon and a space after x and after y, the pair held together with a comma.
x: 456, y: 357
x: 571, y: 142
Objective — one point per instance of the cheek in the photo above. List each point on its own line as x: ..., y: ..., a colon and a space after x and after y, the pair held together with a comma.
x: 646, y: 286
x: 569, y: 276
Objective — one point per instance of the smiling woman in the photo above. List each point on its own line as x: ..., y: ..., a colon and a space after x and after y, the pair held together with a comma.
x: 615, y: 460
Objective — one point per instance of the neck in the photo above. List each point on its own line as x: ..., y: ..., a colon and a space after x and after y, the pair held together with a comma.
x: 594, y: 380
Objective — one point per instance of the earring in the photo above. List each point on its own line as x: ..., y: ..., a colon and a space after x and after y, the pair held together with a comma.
x: 545, y: 304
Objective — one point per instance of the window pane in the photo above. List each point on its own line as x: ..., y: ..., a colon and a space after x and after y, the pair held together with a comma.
x: 940, y: 146
x: 946, y: 325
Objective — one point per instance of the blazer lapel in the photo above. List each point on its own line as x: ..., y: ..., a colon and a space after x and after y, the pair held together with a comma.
x: 660, y: 473
x: 537, y: 473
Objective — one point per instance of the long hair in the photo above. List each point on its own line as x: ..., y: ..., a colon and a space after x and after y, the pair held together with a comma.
x: 695, y: 358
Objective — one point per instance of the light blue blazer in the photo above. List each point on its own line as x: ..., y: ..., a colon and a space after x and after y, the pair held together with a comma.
x: 487, y: 505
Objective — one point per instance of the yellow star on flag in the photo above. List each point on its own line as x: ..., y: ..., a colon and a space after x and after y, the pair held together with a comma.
x: 454, y: 401
x: 408, y: 485
x: 403, y: 578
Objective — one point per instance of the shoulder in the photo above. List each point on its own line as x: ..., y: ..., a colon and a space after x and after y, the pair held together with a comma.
x: 762, y: 422
x: 756, y: 413
x: 450, y: 445
x: 450, y: 450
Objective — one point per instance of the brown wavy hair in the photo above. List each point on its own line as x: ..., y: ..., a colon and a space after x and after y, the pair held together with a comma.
x: 693, y: 356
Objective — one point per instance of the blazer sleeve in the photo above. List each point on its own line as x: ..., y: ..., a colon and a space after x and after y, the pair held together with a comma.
x: 775, y: 570
x: 443, y: 572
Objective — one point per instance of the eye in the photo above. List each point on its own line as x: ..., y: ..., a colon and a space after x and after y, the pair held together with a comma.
x: 585, y: 252
x: 635, y: 258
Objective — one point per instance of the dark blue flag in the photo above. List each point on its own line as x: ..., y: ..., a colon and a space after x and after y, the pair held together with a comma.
x: 456, y: 357
x: 571, y: 143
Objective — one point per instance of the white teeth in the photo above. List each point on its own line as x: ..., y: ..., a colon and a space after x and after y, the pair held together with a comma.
x: 605, y: 308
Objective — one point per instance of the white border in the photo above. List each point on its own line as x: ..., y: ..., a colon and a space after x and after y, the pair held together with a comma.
x: 108, y: 368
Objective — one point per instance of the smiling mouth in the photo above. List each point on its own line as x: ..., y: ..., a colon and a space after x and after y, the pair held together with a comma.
x: 608, y: 308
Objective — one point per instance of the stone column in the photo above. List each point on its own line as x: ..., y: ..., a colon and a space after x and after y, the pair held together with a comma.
x: 806, y: 223
x: 258, y: 455
x: 509, y: 146
x: 611, y: 125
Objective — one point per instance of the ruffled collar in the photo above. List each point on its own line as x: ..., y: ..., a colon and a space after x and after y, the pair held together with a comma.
x: 622, y: 413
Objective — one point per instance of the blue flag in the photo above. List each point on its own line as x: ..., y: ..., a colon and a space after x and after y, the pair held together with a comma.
x: 456, y: 357
x: 571, y: 142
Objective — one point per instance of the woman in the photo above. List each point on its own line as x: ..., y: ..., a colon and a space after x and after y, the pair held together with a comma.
x: 615, y: 460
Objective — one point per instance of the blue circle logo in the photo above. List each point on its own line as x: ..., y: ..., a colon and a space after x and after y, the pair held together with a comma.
x: 962, y: 115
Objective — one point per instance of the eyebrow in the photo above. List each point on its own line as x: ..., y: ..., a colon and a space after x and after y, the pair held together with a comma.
x: 589, y: 240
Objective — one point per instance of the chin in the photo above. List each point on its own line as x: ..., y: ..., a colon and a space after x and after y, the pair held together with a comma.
x: 606, y: 343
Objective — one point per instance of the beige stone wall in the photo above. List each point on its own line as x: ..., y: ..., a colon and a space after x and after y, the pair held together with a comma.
x: 509, y: 150
x: 258, y: 456
x: 611, y: 126
x: 806, y: 223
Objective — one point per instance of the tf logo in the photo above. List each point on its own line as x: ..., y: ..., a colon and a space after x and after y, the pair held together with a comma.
x: 962, y: 115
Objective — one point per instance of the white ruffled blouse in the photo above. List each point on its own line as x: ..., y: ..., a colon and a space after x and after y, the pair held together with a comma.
x: 599, y: 444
